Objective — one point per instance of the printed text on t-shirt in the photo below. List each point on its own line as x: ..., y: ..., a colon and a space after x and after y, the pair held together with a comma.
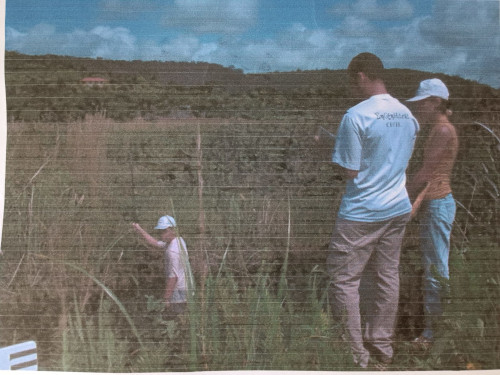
x: 391, y: 117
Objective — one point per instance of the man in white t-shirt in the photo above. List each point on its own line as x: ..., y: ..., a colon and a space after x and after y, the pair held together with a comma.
x: 177, y: 269
x: 373, y: 146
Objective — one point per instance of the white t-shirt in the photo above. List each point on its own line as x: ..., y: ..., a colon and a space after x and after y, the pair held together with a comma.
x: 376, y: 138
x: 177, y: 265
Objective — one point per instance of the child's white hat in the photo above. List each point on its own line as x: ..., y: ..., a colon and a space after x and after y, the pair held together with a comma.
x: 165, y: 222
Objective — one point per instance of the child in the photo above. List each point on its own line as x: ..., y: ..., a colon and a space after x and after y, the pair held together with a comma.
x: 177, y: 269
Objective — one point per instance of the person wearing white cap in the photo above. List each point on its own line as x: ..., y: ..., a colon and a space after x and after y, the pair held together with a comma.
x: 177, y: 268
x: 435, y: 200
x: 374, y: 143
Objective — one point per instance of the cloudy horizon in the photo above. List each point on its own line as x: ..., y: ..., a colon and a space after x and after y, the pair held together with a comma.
x: 455, y: 37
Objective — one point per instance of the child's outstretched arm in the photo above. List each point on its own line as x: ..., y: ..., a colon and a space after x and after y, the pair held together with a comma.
x: 147, y: 237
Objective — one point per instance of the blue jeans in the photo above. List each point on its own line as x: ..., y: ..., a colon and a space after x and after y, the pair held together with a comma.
x: 437, y: 217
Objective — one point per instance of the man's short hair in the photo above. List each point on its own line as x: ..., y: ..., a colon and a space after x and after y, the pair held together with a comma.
x: 367, y: 63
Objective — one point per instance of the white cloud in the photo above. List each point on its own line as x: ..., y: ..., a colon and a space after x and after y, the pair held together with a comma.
x: 357, y: 27
x: 205, y: 51
x: 107, y: 41
x: 374, y: 10
x: 319, y: 38
x: 465, y: 35
x: 182, y: 48
x: 294, y: 48
x: 462, y: 22
x: 14, y: 38
x: 407, y: 47
x: 101, y: 41
x: 187, y: 48
x: 457, y: 38
x: 126, y: 9
x: 125, y: 6
x: 40, y: 39
x: 212, y: 16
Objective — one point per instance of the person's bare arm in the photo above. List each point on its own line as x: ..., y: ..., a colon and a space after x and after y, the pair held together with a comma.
x: 348, y: 174
x: 169, y: 290
x: 146, y: 236
x: 418, y: 201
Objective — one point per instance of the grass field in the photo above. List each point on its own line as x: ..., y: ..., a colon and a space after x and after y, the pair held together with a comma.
x: 256, y: 202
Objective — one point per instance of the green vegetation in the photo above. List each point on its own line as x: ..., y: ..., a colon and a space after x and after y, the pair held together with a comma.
x: 76, y: 280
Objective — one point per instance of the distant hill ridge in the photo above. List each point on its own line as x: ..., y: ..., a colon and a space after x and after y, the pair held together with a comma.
x: 209, y: 89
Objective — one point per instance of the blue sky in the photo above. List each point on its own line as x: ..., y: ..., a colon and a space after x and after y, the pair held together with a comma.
x: 457, y: 37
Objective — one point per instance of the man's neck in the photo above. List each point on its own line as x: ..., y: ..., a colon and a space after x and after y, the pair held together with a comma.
x: 376, y: 87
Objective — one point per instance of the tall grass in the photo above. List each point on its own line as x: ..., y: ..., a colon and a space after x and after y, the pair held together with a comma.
x: 251, y: 329
x: 261, y: 328
x: 89, y: 345
x: 264, y: 303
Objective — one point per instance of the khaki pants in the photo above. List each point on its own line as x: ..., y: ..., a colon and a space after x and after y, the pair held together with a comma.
x: 370, y: 251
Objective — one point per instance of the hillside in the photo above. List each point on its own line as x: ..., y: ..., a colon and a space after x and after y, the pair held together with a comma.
x: 233, y: 157
x: 49, y: 88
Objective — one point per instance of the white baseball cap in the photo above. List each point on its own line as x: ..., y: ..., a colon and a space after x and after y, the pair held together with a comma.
x: 165, y: 222
x: 431, y: 87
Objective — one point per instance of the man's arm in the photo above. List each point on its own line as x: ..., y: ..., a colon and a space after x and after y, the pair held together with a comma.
x: 347, y: 174
x: 348, y: 148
